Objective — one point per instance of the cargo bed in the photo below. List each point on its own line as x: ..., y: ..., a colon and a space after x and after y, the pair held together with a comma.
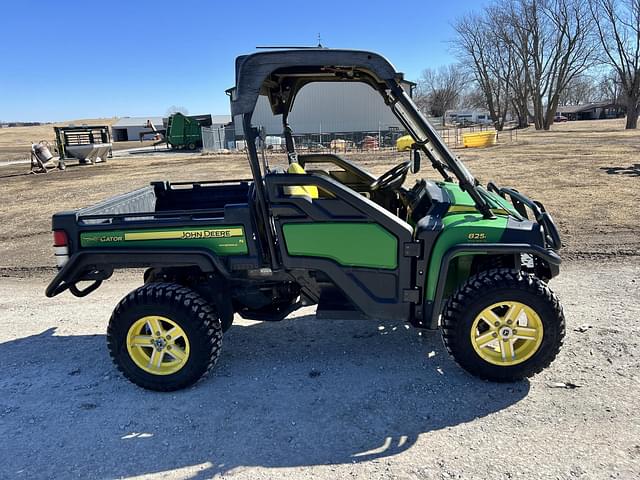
x: 164, y: 199
x: 204, y: 224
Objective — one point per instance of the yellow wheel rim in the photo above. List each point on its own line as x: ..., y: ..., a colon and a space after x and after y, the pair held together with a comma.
x: 158, y: 345
x: 506, y: 333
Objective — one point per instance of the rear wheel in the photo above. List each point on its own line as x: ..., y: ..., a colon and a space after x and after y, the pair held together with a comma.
x: 503, y: 325
x: 163, y: 336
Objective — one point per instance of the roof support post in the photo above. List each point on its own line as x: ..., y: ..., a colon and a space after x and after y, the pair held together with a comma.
x: 250, y: 134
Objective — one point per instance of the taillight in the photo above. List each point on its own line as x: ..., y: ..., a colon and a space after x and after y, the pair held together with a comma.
x: 61, y: 247
x: 60, y: 238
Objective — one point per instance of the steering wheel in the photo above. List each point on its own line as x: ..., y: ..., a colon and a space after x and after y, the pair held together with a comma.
x: 392, y: 178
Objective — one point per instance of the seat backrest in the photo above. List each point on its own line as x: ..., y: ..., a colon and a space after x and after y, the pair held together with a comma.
x: 300, y: 190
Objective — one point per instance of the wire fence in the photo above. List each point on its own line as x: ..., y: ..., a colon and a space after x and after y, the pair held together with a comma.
x: 214, y: 139
x: 220, y: 138
x: 453, y: 136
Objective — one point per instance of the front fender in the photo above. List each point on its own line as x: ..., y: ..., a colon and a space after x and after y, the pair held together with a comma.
x: 459, y: 230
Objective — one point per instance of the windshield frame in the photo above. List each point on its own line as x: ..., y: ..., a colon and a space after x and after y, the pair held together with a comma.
x: 434, y: 147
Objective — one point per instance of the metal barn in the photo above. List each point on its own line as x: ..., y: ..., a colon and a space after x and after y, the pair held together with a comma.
x: 129, y: 128
x: 328, y: 108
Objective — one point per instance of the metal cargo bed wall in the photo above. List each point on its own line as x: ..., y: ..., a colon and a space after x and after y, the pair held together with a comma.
x: 142, y: 200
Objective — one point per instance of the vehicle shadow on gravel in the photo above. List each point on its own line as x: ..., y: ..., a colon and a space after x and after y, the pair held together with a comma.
x: 296, y: 393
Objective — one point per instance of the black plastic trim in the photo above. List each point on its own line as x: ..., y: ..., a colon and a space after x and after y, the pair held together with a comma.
x: 347, y: 165
x: 519, y: 201
x: 105, y: 260
x: 431, y: 317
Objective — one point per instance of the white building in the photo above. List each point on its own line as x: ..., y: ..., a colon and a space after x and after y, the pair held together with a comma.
x: 332, y: 107
x: 129, y: 128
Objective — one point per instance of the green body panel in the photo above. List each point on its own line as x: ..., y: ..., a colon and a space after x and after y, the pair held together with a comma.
x: 350, y: 244
x: 456, y: 194
x: 222, y: 240
x: 459, y: 229
x: 462, y: 202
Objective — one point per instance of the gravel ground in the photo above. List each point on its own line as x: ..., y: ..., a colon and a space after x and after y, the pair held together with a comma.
x: 320, y: 399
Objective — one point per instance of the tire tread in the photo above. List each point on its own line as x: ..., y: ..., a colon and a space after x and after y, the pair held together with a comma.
x: 476, y: 287
x: 208, y: 326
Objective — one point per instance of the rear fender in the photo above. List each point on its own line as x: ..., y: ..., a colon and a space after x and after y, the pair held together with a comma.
x: 97, y: 265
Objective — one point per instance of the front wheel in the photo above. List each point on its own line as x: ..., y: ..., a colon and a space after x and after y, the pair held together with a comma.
x: 164, y: 337
x: 503, y: 325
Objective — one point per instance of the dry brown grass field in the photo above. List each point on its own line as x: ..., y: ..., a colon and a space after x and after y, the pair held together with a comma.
x: 586, y: 173
x: 15, y: 142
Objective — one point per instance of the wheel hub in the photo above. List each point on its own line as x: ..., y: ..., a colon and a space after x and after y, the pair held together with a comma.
x: 506, y: 333
x: 158, y: 345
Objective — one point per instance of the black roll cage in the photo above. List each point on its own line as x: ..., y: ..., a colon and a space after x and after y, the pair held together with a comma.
x: 281, y: 74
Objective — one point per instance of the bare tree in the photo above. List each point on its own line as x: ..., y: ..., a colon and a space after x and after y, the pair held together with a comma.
x: 177, y: 109
x: 510, y: 37
x: 618, y: 27
x: 581, y: 89
x: 488, y: 63
x: 610, y: 88
x: 440, y: 90
x: 553, y: 40
x: 474, y: 97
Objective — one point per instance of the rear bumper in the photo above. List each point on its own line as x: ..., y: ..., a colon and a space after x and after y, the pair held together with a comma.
x: 97, y: 265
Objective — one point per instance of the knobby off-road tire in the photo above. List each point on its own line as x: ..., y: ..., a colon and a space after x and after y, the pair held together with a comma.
x: 175, y: 306
x: 479, y: 293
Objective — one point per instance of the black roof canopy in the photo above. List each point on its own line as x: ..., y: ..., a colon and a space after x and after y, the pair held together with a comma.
x: 280, y: 74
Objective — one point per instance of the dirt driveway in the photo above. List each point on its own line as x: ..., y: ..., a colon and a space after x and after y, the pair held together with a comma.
x: 305, y: 398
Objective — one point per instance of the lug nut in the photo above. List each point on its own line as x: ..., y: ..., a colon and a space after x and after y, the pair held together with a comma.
x: 168, y: 337
x: 495, y: 335
x: 509, y: 322
x: 497, y: 324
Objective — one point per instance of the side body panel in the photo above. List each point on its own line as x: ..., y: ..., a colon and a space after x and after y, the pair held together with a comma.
x: 221, y: 240
x: 350, y: 244
x: 346, y: 251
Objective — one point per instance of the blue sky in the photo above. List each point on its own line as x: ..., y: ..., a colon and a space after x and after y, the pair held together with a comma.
x: 64, y: 60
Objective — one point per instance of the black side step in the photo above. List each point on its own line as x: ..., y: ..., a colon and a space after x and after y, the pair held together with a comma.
x: 333, y: 305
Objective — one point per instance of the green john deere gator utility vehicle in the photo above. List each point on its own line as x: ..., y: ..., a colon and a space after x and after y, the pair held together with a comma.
x: 473, y: 261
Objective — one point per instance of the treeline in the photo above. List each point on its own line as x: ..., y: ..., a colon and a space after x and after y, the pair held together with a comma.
x: 20, y: 124
x: 527, y: 57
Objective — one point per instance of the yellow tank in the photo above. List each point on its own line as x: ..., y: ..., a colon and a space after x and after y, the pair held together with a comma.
x: 404, y: 143
x: 479, y: 139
